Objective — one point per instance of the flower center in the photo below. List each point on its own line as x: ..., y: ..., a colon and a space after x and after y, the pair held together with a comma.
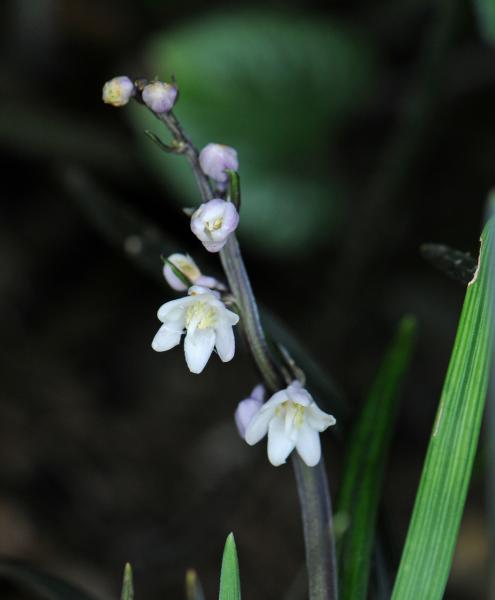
x: 292, y: 412
x: 202, y: 314
x: 217, y: 224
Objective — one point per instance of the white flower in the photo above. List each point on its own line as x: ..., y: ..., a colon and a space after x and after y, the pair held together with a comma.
x: 159, y: 96
x: 118, y: 91
x: 213, y: 222
x: 214, y: 159
x: 186, y: 265
x: 292, y: 420
x: 207, y: 323
x: 247, y: 408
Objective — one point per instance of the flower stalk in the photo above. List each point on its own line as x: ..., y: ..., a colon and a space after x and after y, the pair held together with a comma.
x: 312, y: 485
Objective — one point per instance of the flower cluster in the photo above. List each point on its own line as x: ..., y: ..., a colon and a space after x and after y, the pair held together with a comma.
x: 291, y: 418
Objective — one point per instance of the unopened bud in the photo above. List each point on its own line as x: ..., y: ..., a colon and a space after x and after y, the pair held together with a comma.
x: 213, y: 222
x: 185, y: 264
x: 159, y: 96
x: 215, y: 159
x: 118, y: 91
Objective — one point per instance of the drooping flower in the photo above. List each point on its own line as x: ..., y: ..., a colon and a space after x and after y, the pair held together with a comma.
x: 213, y: 222
x: 207, y: 324
x: 186, y: 264
x: 247, y: 408
x: 215, y: 159
x: 118, y: 91
x: 159, y: 96
x: 292, y: 420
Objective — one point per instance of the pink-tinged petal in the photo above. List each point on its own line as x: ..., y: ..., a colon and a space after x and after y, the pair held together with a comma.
x: 279, y: 445
x: 298, y: 394
x: 230, y: 218
x: 317, y: 419
x: 209, y: 282
x: 214, y: 246
x: 215, y: 158
x: 167, y: 337
x: 225, y: 341
x: 198, y: 347
x: 258, y: 393
x: 308, y: 445
x: 258, y: 427
x: 246, y: 410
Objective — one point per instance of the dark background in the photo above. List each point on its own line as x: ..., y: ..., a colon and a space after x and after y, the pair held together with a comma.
x: 110, y: 452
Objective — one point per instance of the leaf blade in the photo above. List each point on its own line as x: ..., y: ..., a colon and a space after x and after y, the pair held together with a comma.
x: 432, y: 534
x: 364, y: 470
x: 230, y: 587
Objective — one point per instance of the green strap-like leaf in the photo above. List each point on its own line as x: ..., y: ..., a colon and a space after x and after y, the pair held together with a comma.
x: 230, y: 586
x: 41, y: 583
x: 127, y: 584
x: 363, y: 473
x: 432, y: 535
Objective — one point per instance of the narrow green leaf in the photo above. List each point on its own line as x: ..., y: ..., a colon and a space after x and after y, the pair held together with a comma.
x: 177, y: 272
x: 432, y: 535
x: 194, y: 591
x: 127, y: 584
x: 365, y: 464
x: 485, y: 10
x: 41, y: 583
x: 230, y: 586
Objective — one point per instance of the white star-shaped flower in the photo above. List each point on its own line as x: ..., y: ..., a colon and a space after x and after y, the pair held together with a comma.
x: 292, y: 420
x: 207, y: 323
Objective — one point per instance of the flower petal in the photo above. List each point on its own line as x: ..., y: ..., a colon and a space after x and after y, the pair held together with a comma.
x: 258, y: 426
x: 198, y: 346
x: 167, y: 337
x: 246, y: 410
x: 317, y: 419
x: 173, y: 309
x: 258, y: 393
x: 225, y: 341
x: 308, y: 445
x: 279, y: 445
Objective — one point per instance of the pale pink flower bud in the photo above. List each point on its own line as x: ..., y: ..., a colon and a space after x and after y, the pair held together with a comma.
x: 118, y: 91
x: 159, y: 96
x: 215, y: 159
x: 213, y: 222
x: 248, y: 408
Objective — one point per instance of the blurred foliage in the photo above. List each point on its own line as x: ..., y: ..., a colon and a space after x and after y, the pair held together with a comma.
x: 278, y: 88
x: 485, y: 10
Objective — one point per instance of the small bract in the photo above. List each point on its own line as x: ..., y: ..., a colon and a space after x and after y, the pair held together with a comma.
x: 215, y: 159
x: 292, y: 420
x: 159, y: 96
x: 118, y: 91
x: 213, y: 222
x: 205, y: 320
x: 186, y: 265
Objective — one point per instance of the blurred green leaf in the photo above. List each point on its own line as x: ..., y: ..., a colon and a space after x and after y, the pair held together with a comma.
x: 127, y: 584
x: 485, y: 10
x: 365, y: 465
x: 277, y: 88
x: 230, y: 585
x: 194, y: 591
x: 433, y: 530
x: 41, y: 583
